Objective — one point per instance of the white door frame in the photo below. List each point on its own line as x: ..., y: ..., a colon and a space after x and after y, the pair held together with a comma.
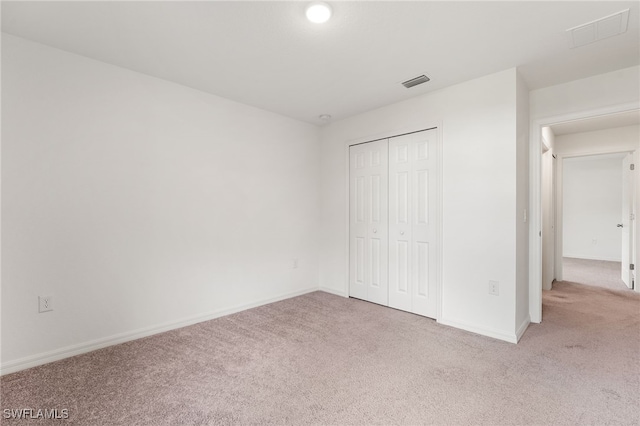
x: 628, y: 218
x: 559, y: 243
x: 535, y: 196
x: 385, y: 135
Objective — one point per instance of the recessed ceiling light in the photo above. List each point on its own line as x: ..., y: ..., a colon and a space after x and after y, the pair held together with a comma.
x: 324, y: 117
x: 318, y: 12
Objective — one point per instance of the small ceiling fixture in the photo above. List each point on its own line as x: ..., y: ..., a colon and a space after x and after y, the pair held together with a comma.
x: 318, y: 12
x: 324, y: 117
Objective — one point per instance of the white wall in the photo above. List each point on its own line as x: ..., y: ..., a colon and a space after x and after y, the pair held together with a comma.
x: 522, y: 206
x: 591, y: 93
x: 479, y: 196
x: 1, y: 196
x: 138, y: 203
x: 617, y: 139
x: 592, y: 206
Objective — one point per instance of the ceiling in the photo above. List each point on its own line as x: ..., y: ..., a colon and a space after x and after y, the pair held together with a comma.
x: 628, y: 118
x: 266, y: 54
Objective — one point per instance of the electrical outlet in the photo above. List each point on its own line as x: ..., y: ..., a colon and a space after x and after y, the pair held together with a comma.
x: 494, y: 288
x: 45, y: 304
x: 294, y: 263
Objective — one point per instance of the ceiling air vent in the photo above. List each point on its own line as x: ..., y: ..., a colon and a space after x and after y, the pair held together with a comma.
x: 415, y: 81
x: 599, y: 29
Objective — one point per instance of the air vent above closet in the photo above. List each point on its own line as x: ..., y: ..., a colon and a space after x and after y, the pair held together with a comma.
x: 415, y: 81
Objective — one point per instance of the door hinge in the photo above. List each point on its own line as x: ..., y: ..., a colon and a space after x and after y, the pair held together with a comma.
x: 632, y: 267
x: 632, y: 166
x: 632, y: 216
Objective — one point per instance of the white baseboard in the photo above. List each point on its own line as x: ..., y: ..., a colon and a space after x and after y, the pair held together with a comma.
x: 334, y: 291
x: 489, y: 332
x: 523, y: 327
x: 81, y: 348
x: 579, y: 256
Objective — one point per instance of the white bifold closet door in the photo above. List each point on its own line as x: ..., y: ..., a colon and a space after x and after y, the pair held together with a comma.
x: 392, y: 226
x: 368, y: 230
x: 412, y: 224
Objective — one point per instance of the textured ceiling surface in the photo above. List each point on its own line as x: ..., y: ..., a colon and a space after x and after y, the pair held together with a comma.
x: 266, y: 54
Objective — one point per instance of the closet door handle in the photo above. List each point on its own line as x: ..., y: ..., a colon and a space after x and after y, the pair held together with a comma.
x: 375, y: 230
x: 619, y: 225
x: 401, y: 232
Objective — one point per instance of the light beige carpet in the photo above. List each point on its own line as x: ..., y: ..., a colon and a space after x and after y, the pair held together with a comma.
x: 323, y: 359
x: 599, y: 273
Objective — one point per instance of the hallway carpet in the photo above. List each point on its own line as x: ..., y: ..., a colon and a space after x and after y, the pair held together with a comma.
x: 323, y: 359
x: 599, y: 273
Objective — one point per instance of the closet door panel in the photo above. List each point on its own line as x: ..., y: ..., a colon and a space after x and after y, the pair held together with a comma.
x: 412, y: 197
x: 424, y: 194
x: 399, y: 224
x: 368, y: 222
x: 357, y: 222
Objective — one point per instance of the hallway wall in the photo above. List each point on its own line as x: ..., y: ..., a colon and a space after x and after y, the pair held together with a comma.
x: 592, y: 207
